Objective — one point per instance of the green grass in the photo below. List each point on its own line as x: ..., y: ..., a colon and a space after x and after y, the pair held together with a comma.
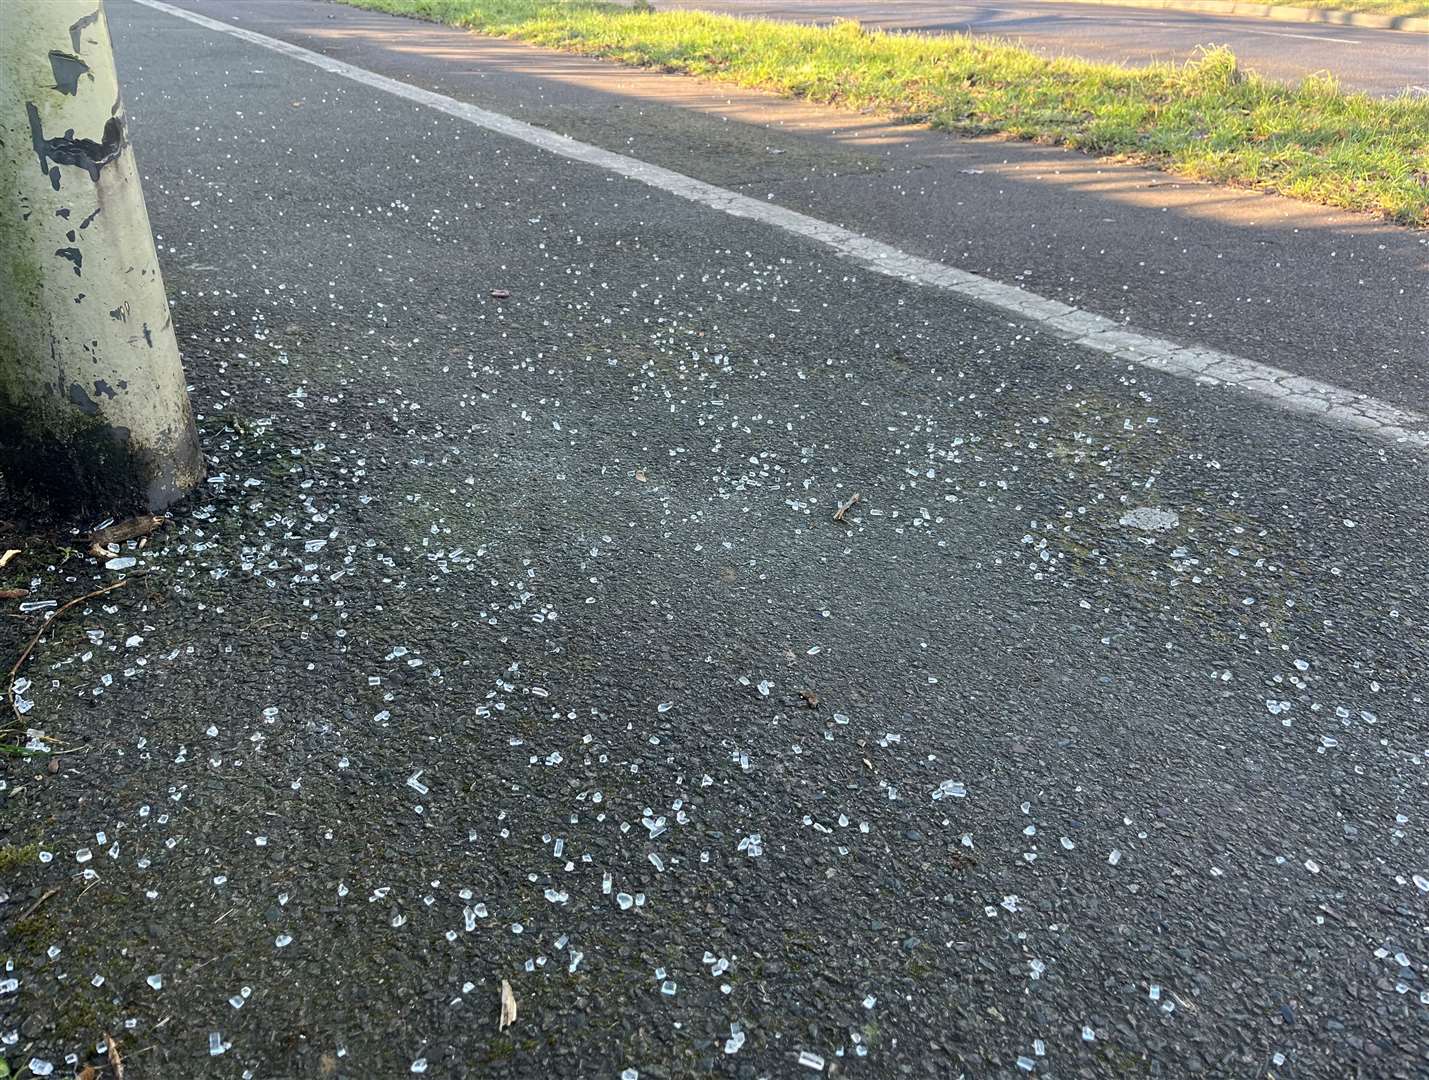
x: 1208, y: 119
x: 1376, y: 7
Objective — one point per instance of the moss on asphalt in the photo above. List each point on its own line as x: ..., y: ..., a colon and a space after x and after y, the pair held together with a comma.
x: 13, y: 856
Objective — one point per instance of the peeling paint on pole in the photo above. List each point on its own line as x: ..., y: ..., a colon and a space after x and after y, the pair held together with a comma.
x: 94, y: 413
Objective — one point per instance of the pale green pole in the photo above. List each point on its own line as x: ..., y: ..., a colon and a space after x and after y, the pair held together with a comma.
x: 94, y: 412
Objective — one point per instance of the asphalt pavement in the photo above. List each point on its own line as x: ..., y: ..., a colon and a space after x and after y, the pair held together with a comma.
x: 513, y: 641
x: 1326, y: 294
x: 1381, y: 62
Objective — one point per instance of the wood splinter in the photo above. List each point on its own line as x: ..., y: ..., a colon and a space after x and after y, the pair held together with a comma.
x: 129, y: 529
x: 845, y: 507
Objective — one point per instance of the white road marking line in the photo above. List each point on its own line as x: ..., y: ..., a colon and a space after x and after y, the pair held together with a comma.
x: 1307, y: 37
x: 1274, y: 386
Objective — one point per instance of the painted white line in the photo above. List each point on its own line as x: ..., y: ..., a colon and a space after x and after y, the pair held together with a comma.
x: 1283, y: 389
x: 1306, y: 37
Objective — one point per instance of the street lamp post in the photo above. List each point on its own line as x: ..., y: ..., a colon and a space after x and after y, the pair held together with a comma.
x: 94, y: 411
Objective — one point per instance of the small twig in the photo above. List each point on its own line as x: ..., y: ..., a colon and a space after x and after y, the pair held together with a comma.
x: 14, y: 594
x: 130, y: 529
x: 119, y: 1071
x: 845, y: 507
x: 36, y: 905
x: 25, y: 653
x: 95, y: 881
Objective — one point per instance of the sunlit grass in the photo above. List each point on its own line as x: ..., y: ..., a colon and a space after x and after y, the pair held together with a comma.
x: 1207, y: 119
x: 1377, y: 7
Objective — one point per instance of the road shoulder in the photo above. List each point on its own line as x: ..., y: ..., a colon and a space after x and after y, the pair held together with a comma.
x: 1413, y: 24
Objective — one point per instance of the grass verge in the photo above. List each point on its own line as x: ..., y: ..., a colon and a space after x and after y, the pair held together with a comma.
x: 1207, y: 119
x: 1372, y: 7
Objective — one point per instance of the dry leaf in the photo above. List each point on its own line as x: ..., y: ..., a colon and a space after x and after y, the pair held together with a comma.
x: 115, y: 1061
x: 14, y: 594
x: 89, y: 1072
x: 508, y: 1007
x: 811, y: 699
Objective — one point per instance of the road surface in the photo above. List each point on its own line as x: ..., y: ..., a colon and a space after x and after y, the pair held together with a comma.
x: 1383, y: 62
x: 514, y: 642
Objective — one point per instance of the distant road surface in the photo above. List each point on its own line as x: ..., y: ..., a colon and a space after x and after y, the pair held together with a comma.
x: 1381, y: 62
